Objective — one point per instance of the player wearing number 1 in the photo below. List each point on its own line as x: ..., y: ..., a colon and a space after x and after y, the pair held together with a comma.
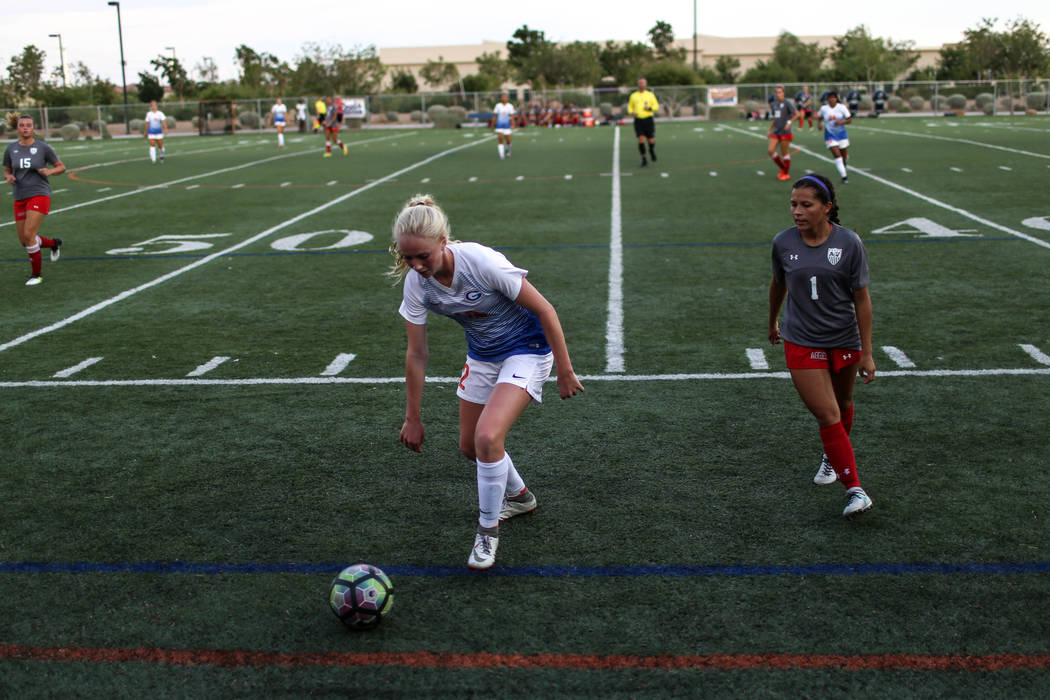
x: 28, y: 164
x: 513, y: 339
x: 822, y: 269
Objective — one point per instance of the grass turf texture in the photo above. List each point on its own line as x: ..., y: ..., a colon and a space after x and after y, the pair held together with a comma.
x: 632, y: 474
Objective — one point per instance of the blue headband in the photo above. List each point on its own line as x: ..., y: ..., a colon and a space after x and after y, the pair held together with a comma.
x: 822, y: 186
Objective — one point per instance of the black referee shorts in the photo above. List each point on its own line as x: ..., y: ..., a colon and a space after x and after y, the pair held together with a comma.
x: 645, y: 127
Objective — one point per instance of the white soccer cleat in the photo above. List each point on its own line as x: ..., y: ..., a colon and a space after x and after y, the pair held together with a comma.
x: 483, y: 555
x: 856, y: 501
x: 826, y: 473
x: 56, y: 249
x: 512, y: 508
x: 34, y: 280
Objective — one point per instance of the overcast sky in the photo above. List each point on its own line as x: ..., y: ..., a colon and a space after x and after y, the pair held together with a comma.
x: 198, y: 28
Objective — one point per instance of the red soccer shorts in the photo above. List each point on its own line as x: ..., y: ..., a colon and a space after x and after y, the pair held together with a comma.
x: 833, y: 360
x: 783, y: 137
x: 39, y: 203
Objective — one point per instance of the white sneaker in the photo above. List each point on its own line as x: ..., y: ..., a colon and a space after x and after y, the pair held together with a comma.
x: 856, y: 501
x: 511, y: 508
x: 826, y: 473
x: 483, y: 555
x: 34, y: 280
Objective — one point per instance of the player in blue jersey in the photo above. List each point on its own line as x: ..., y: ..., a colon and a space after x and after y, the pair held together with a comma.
x: 821, y: 268
x: 155, y: 130
x: 833, y: 118
x: 502, y: 123
x: 513, y: 339
x: 278, y: 117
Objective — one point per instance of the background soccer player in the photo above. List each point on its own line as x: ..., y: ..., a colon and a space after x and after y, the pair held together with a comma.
x: 156, y: 129
x: 278, y: 118
x: 502, y: 123
x: 779, y: 134
x: 28, y: 164
x: 833, y: 118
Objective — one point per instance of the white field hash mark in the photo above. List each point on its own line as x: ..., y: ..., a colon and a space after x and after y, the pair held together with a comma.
x: 208, y: 366
x: 338, y: 364
x: 70, y: 371
x: 757, y: 358
x: 217, y: 255
x: 898, y: 356
x: 1036, y: 354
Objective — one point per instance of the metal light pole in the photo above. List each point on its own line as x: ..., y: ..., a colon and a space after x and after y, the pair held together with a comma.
x: 694, y: 35
x: 123, y: 78
x: 61, y: 58
x: 173, y: 62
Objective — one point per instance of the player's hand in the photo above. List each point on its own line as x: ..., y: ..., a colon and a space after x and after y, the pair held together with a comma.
x: 9, y: 178
x: 774, y: 333
x: 412, y: 435
x: 867, y: 369
x: 569, y: 385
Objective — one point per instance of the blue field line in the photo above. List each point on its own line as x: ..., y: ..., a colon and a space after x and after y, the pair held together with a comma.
x: 563, y: 246
x: 548, y: 571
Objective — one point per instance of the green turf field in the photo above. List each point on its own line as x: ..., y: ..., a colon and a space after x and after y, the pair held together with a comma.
x: 201, y: 408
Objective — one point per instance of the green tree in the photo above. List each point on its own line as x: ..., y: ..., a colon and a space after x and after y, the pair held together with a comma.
x: 1026, y: 53
x: 860, y: 56
x: 768, y: 72
x: 802, y: 59
x: 403, y: 82
x: 263, y: 72
x: 440, y: 73
x: 150, y: 88
x: 622, y: 61
x: 524, y: 47
x: 662, y: 37
x: 174, y: 73
x: 726, y: 68
x: 25, y: 71
x: 493, y: 67
x: 207, y: 70
x: 667, y: 72
x: 324, y: 70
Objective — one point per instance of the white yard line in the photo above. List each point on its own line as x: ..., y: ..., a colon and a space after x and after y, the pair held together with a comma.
x: 952, y: 139
x: 913, y: 193
x: 247, y: 242
x: 140, y: 190
x: 1036, y: 354
x: 614, y: 350
x: 685, y: 377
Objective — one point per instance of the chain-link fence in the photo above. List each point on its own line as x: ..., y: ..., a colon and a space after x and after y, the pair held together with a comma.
x: 989, y: 98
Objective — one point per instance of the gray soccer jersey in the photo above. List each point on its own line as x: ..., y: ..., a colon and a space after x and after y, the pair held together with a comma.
x: 25, y: 162
x: 783, y: 112
x: 821, y: 281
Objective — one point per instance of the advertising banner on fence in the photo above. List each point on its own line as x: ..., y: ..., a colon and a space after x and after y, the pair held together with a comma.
x: 354, y: 108
x: 722, y: 96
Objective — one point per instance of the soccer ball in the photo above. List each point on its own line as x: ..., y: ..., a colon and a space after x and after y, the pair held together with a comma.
x: 361, y: 596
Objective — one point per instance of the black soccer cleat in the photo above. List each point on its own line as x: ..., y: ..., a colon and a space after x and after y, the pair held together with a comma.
x: 55, y: 249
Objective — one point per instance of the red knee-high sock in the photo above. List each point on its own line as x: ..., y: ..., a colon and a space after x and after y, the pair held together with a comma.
x: 847, y: 419
x: 787, y: 164
x: 45, y: 242
x: 34, y: 261
x: 839, y: 450
x: 779, y: 161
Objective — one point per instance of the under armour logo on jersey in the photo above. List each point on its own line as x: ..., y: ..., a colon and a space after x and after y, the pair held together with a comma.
x: 793, y: 256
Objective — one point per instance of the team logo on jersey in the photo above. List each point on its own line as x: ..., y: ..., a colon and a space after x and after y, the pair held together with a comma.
x: 32, y: 151
x: 834, y: 255
x: 472, y: 295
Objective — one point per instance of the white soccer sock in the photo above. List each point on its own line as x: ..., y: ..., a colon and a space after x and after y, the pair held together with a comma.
x: 492, y: 484
x: 35, y: 248
x: 153, y: 153
x: 500, y: 147
x: 840, y: 165
x: 515, y: 484
x: 280, y: 139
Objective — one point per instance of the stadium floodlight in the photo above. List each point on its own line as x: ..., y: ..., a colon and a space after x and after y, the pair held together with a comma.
x: 61, y: 58
x: 123, y: 78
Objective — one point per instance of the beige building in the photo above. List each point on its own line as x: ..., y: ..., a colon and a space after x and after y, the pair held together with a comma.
x: 747, y: 50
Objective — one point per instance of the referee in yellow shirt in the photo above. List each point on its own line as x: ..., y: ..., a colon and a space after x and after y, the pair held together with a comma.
x: 642, y: 105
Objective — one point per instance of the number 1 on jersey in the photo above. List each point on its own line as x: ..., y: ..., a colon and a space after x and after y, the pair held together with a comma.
x: 813, y: 288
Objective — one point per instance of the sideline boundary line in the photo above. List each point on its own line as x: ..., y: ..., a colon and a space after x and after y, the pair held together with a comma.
x: 953, y: 140
x: 614, y: 349
x: 703, y: 376
x: 248, y: 241
x: 936, y: 202
x: 238, y: 658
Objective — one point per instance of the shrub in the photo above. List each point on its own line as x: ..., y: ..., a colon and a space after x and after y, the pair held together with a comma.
x: 753, y: 106
x: 957, y: 101
x: 905, y: 109
x: 866, y: 103
x: 938, y: 103
x: 605, y: 109
x: 916, y: 103
x: 393, y: 117
x: 894, y: 103
x: 459, y: 113
x: 416, y: 115
x: 722, y: 113
x: 1036, y: 100
x: 249, y: 120
x: 103, y: 130
x: 70, y: 132
x: 138, y: 126
x: 985, y: 98
x: 196, y: 121
x: 170, y: 121
x: 988, y: 108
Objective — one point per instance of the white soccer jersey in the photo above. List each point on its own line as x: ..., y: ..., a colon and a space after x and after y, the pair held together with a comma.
x: 278, y: 112
x: 503, y: 114
x: 481, y: 299
x: 834, y: 132
x: 155, y: 121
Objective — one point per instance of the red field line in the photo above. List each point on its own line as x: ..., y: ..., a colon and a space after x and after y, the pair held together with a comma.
x: 425, y: 659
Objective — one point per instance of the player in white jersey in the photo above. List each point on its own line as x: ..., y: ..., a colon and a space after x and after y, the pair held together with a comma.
x: 502, y: 122
x: 277, y: 118
x: 821, y: 268
x: 833, y: 118
x: 513, y: 339
x: 156, y: 128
